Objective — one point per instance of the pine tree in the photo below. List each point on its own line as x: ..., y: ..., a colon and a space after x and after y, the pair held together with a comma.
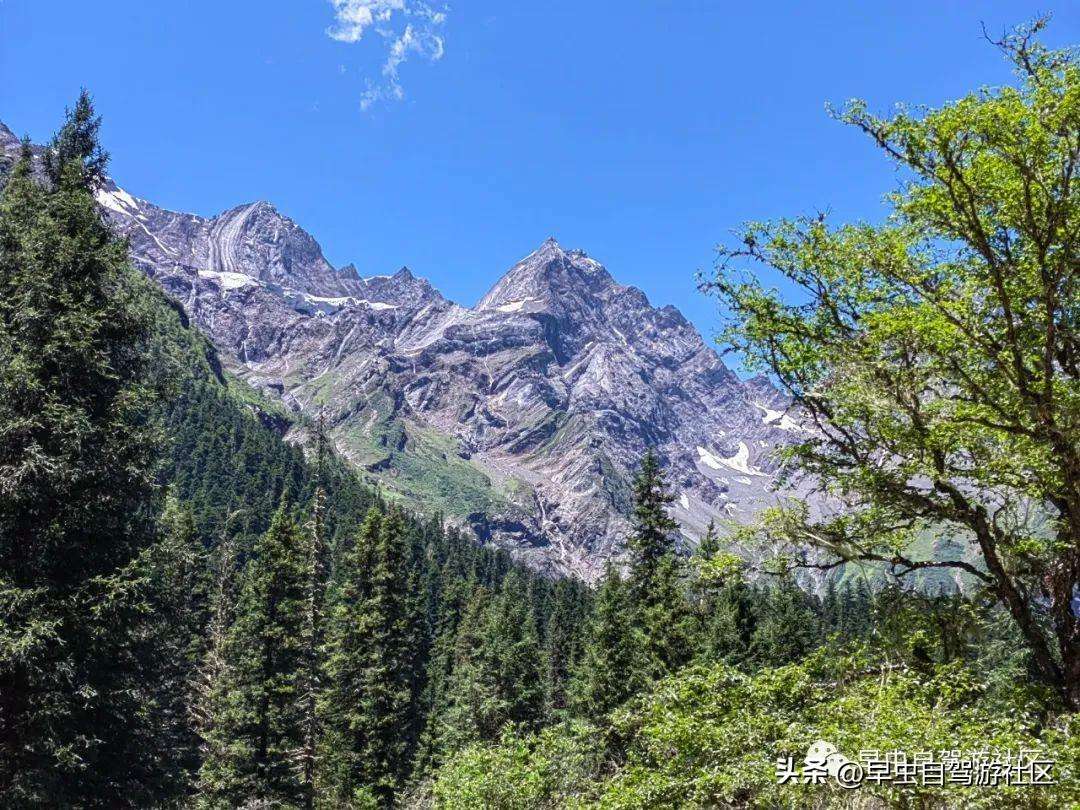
x: 538, y: 592
x: 652, y: 535
x: 710, y: 543
x: 346, y: 657
x: 610, y: 670
x: 78, y: 500
x: 260, y: 728
x: 563, y: 647
x: 209, y: 700
x: 313, y: 620
x: 705, y: 582
x: 788, y: 626
x: 729, y: 623
x: 830, y: 608
x: 512, y: 651
x: 495, y: 679
x: 177, y: 569
x: 859, y: 608
x: 451, y: 605
x: 75, y: 150
x: 465, y: 714
x: 849, y: 607
x: 371, y: 649
x: 659, y: 604
x: 666, y: 619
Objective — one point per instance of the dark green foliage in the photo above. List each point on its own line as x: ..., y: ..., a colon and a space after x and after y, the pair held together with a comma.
x: 371, y: 655
x: 847, y: 609
x: 259, y: 731
x: 658, y: 604
x: 495, y: 679
x: 727, y: 623
x: 787, y: 626
x: 75, y: 154
x: 225, y: 460
x: 652, y: 538
x: 724, y: 607
x: 178, y: 574
x: 611, y: 667
x: 709, y: 546
x: 512, y: 652
x: 467, y: 714
x: 444, y: 624
x: 316, y: 560
x: 666, y: 619
x: 78, y: 715
x: 209, y: 701
x: 563, y: 645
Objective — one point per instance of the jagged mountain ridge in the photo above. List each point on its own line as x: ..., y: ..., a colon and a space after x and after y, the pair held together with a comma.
x: 523, y: 417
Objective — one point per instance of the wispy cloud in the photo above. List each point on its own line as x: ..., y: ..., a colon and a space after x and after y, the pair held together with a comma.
x: 407, y: 27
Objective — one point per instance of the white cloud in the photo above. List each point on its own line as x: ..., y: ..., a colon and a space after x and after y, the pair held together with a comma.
x: 407, y: 26
x: 354, y: 17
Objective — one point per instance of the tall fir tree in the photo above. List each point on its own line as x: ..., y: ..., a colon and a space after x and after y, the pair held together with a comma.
x: 665, y: 619
x: 722, y: 603
x: 78, y: 500
x: 313, y: 635
x: 658, y: 601
x: 562, y: 647
x: 495, y: 680
x: 465, y: 715
x: 787, y: 627
x: 346, y: 657
x: 710, y: 543
x: 209, y: 699
x: 260, y: 729
x: 454, y: 595
x: 77, y: 146
x: 611, y: 668
x: 371, y: 651
x: 512, y: 652
x: 179, y: 590
x: 652, y: 536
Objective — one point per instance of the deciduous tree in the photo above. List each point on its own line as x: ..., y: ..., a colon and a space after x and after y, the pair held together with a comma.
x: 938, y: 353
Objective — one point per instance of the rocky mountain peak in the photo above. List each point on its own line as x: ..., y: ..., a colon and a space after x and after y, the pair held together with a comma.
x: 7, y: 136
x: 257, y: 241
x: 546, y: 279
x: 523, y: 418
x: 10, y: 146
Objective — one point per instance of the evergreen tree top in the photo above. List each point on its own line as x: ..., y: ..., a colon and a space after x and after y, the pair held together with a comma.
x: 653, y: 534
x: 76, y: 147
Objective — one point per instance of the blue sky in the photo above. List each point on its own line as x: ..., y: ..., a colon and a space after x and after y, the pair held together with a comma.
x: 455, y: 138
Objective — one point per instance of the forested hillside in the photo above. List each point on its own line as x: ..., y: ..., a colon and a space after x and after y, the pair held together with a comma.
x: 250, y: 624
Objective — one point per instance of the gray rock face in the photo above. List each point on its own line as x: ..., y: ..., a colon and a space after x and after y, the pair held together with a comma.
x: 523, y: 417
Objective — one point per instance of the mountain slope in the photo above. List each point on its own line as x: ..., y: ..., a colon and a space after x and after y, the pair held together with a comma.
x: 523, y: 417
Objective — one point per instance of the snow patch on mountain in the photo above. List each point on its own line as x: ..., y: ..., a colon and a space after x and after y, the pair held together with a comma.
x: 347, y: 300
x: 737, y: 462
x: 777, y: 419
x: 515, y: 306
x: 229, y: 280
x: 117, y: 200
